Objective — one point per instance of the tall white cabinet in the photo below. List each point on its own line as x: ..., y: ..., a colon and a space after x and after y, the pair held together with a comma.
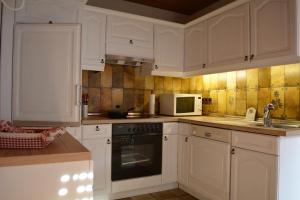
x: 46, y: 72
x: 168, y: 49
x: 93, y: 25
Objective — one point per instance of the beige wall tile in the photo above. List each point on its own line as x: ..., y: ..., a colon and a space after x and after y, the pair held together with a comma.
x: 241, y: 79
x: 231, y: 80
x: 168, y: 84
x: 128, y: 98
x: 158, y: 83
x: 106, y: 77
x: 291, y: 103
x: 94, y: 79
x: 252, y: 97
x: 264, y: 97
x: 193, y: 84
x: 117, y: 76
x: 222, y: 81
x: 147, y: 94
x: 277, y: 98
x: 252, y: 78
x: 199, y: 83
x: 264, y: 77
x: 185, y: 85
x: 213, y: 81
x: 85, y: 78
x: 105, y: 99
x: 94, y: 99
x: 149, y: 83
x: 214, y: 106
x: 292, y: 75
x: 277, y: 76
x: 222, y: 101
x: 117, y: 97
x: 129, y: 77
x: 231, y: 102
x: 139, y: 82
x: 241, y: 97
x: 206, y: 83
x: 139, y: 100
x: 176, y: 84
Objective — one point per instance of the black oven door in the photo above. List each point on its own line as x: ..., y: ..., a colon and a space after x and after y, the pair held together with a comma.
x: 136, y: 156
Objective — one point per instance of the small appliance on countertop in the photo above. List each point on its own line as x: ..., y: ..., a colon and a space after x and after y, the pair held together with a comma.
x: 180, y: 104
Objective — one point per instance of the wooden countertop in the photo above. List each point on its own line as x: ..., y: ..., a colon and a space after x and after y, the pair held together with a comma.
x: 63, y: 149
x: 231, y: 123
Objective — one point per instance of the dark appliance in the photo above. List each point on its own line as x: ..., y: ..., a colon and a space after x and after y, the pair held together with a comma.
x: 136, y: 150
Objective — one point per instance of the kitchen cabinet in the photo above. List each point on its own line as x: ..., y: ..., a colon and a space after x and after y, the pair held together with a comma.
x: 229, y: 39
x: 183, y: 159
x: 93, y: 25
x: 273, y: 29
x: 75, y: 132
x: 209, y: 168
x: 46, y: 71
x: 169, y: 159
x: 169, y: 152
x: 52, y: 181
x: 100, y: 147
x: 129, y: 37
x: 168, y: 50
x: 253, y: 175
x: 195, y: 47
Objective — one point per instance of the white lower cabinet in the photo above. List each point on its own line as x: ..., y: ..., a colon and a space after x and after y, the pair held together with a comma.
x: 169, y: 159
x: 209, y: 168
x: 183, y: 159
x: 100, y: 148
x: 253, y: 175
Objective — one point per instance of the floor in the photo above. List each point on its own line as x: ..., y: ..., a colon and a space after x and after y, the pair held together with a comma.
x: 175, y: 194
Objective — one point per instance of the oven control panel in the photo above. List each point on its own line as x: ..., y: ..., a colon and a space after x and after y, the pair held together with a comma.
x: 136, y: 128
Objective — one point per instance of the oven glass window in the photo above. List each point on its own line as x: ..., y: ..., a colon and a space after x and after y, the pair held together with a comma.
x: 185, y: 104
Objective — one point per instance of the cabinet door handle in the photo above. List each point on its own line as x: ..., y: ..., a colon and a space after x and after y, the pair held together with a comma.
x: 252, y: 57
x: 166, y: 138
x: 204, y: 65
x: 97, y: 128
x: 233, y: 151
x: 130, y: 41
x: 77, y: 95
x: 102, y: 61
x: 186, y: 139
x: 108, y: 141
x: 155, y: 66
x: 207, y: 134
x: 246, y: 58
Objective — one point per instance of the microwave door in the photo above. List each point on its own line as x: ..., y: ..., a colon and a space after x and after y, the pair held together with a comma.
x: 185, y: 105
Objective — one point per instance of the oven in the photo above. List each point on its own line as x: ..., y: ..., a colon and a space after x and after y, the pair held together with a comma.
x: 136, y: 150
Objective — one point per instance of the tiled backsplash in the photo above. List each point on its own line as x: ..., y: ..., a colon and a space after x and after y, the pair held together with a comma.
x: 231, y: 92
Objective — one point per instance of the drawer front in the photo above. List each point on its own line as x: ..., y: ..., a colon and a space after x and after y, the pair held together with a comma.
x: 222, y: 135
x: 96, y: 131
x: 170, y: 128
x: 185, y: 129
x: 260, y: 143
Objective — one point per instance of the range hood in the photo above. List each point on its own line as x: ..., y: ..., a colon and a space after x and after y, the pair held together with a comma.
x: 129, y: 61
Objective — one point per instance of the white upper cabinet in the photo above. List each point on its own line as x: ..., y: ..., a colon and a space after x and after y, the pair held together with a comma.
x: 195, y: 47
x: 92, y: 39
x: 253, y: 176
x: 273, y: 29
x: 168, y: 49
x: 129, y: 37
x: 46, y: 73
x: 229, y: 38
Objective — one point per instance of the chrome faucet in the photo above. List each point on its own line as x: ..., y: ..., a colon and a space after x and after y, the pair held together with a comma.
x: 267, y: 115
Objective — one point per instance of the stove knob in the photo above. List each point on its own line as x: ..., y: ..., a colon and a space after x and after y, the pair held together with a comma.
x: 134, y: 129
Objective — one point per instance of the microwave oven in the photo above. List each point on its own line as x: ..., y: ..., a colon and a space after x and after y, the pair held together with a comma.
x: 180, y: 104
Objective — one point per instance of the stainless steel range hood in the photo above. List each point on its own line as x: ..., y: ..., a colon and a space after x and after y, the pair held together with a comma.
x: 130, y: 61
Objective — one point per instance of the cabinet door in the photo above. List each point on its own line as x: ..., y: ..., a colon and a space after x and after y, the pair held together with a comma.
x: 209, y: 168
x: 229, y: 38
x: 195, y: 47
x: 168, y: 48
x: 92, y: 40
x: 253, y: 176
x: 272, y: 28
x: 169, y: 160
x: 46, y: 71
x: 183, y: 159
x: 129, y: 37
x: 101, y: 155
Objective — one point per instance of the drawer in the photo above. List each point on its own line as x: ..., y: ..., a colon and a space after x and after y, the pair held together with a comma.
x: 256, y: 142
x: 185, y: 129
x: 222, y: 135
x: 96, y: 131
x: 170, y: 128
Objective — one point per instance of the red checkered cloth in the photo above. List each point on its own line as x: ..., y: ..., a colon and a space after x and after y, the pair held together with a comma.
x: 12, y: 137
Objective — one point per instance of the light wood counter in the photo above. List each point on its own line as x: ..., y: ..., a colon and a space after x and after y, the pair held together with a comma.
x: 63, y: 149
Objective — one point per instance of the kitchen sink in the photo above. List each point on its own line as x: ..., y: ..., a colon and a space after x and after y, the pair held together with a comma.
x: 284, y: 126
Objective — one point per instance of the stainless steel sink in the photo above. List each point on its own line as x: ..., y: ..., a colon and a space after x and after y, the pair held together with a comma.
x: 284, y: 126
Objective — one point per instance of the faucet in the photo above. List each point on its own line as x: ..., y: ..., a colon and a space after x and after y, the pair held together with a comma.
x: 267, y: 114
